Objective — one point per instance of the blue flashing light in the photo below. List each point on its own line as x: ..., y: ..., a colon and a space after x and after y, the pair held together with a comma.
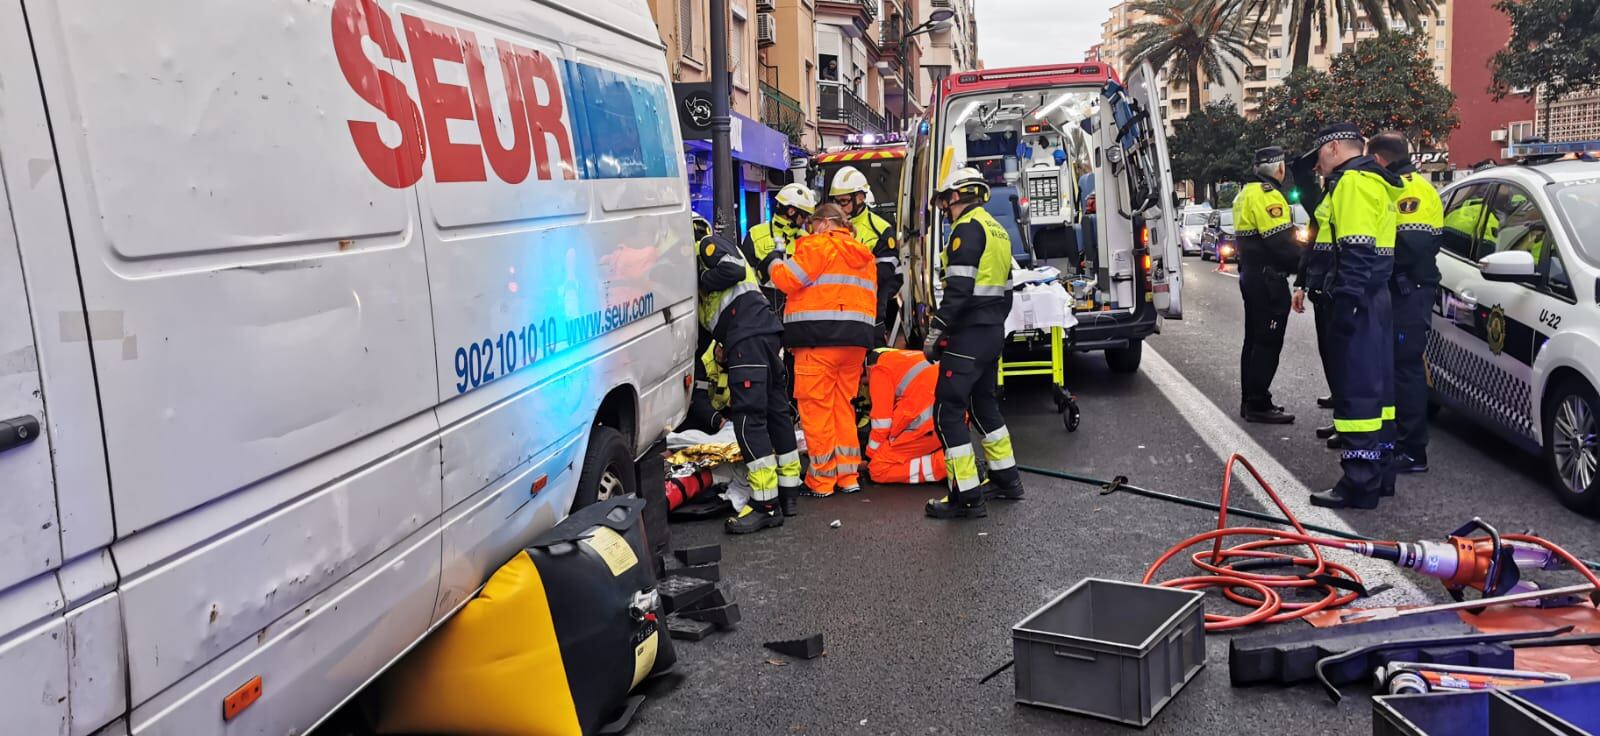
x: 1522, y: 150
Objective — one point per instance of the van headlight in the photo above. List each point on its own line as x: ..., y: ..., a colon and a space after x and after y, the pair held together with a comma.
x: 1301, y: 233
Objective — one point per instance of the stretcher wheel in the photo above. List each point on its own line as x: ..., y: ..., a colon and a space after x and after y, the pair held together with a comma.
x: 1072, y: 417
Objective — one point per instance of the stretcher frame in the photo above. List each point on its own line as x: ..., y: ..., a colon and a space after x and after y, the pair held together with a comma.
x: 1066, y: 401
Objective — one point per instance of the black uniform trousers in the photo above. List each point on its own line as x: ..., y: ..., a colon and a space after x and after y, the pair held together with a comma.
x: 1413, y: 318
x: 1322, y: 314
x: 969, y: 372
x: 758, y: 398
x: 1363, y: 349
x: 1266, y: 313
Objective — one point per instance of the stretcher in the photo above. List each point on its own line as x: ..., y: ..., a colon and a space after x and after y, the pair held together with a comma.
x: 1042, y: 313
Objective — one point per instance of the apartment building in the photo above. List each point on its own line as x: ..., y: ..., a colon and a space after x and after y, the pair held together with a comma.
x: 954, y: 48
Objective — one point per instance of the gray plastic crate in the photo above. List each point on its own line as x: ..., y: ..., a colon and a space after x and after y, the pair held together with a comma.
x: 1110, y: 649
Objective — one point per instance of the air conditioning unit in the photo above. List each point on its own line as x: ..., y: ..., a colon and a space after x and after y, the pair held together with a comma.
x: 1498, y: 136
x: 766, y: 30
x: 764, y: 6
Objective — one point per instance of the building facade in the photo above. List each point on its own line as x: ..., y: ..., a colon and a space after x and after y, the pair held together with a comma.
x: 954, y: 48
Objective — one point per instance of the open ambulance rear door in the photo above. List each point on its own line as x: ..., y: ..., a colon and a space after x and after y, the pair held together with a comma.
x: 1146, y: 173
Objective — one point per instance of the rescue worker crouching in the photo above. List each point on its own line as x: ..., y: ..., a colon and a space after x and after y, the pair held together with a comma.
x: 736, y: 315
x: 1357, y: 216
x: 902, y: 446
x: 1419, y: 223
x: 850, y: 190
x: 1264, y: 225
x: 830, y: 298
x: 965, y: 339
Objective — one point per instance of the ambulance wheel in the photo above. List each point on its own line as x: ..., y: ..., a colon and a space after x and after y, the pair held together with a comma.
x: 1571, y: 448
x: 1072, y: 417
x: 1125, y: 360
x: 607, y: 469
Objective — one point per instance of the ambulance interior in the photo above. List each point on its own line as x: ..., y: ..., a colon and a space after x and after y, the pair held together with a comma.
x: 1033, y: 146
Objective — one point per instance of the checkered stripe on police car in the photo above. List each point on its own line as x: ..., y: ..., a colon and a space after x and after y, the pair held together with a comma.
x: 1479, y: 384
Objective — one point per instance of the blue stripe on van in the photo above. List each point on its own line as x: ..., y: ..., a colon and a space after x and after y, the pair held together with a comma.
x: 621, y: 124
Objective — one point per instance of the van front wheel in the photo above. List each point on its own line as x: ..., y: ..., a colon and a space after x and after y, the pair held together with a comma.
x: 1125, y: 360
x: 607, y: 469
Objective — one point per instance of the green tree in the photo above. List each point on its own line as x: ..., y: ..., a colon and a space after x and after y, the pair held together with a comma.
x: 1212, y: 145
x: 1190, y: 36
x: 1383, y: 83
x: 1554, y: 50
x: 1306, y: 16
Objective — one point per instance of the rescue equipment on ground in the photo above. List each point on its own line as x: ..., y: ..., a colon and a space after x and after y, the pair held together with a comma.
x: 686, y: 487
x: 1401, y: 678
x: 708, y: 455
x: 552, y: 645
x: 1553, y: 708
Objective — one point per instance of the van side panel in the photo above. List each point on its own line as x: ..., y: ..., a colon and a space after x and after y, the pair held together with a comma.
x: 231, y: 342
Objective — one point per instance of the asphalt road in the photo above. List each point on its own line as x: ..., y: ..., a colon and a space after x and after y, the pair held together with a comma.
x: 915, y: 611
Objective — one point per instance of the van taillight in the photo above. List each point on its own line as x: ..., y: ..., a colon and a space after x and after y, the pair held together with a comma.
x: 1144, y: 241
x: 1147, y: 263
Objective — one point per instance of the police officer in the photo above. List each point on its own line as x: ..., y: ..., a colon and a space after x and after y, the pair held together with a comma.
x: 1264, y: 226
x: 965, y: 338
x: 850, y: 191
x: 1357, y: 218
x: 736, y: 314
x: 1412, y: 289
x: 791, y: 207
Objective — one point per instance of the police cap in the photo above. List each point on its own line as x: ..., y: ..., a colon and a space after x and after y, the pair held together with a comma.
x: 1335, y: 132
x: 1268, y: 155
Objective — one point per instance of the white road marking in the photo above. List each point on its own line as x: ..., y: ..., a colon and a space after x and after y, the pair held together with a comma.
x: 1225, y: 438
x: 1229, y: 274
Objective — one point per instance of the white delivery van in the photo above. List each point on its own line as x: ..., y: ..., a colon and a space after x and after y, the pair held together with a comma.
x: 312, y: 312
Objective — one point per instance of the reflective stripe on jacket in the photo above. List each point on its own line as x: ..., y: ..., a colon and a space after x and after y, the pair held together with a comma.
x: 977, y: 272
x: 1362, y: 214
x: 731, y: 306
x: 1419, y: 223
x: 830, y: 284
x: 1263, y: 223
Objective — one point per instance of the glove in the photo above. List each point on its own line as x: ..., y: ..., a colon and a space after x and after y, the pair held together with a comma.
x: 933, y: 345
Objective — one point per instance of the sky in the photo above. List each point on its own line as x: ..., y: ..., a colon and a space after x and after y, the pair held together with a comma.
x: 1024, y: 32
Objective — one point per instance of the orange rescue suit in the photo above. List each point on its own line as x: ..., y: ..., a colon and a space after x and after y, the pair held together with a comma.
x: 829, y: 312
x: 902, y: 446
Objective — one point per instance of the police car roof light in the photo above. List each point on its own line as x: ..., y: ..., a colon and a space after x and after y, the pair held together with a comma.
x: 873, y: 139
x: 1526, y: 150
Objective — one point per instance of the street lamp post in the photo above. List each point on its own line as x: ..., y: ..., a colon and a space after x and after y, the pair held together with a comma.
x: 936, y: 22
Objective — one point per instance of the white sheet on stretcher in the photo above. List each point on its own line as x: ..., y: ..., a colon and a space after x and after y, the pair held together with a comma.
x: 1039, y: 306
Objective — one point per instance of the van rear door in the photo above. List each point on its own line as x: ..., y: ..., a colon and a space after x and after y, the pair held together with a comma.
x: 33, y: 663
x: 1161, y: 212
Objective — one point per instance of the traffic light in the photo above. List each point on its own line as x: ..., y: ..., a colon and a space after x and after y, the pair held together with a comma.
x: 1294, y: 196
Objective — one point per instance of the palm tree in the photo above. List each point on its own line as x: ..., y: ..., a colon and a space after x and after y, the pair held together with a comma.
x: 1193, y: 36
x: 1306, y: 15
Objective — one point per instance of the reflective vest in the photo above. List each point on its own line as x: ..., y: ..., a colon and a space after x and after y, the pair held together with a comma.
x: 830, y: 283
x: 718, y: 308
x: 875, y: 233
x: 1259, y: 212
x: 775, y: 234
x: 1361, y: 215
x: 1463, y: 220
x: 977, y: 272
x: 715, y: 383
x: 1419, y: 222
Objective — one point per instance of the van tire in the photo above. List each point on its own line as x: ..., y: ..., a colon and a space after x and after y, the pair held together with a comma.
x: 1125, y: 360
x: 1582, y: 396
x: 607, y: 469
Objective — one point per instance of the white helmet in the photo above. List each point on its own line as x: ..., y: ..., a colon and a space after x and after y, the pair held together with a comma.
x: 798, y: 197
x: 966, y: 180
x: 849, y: 181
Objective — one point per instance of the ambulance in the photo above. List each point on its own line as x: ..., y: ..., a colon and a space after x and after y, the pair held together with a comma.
x: 312, y: 313
x: 1030, y: 130
x: 878, y: 156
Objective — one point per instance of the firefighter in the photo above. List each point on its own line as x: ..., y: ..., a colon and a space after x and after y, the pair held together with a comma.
x: 902, y: 446
x: 965, y: 338
x: 1412, y: 289
x: 1357, y: 216
x: 736, y: 315
x: 828, y: 315
x: 1264, y: 225
x: 851, y: 191
x: 791, y: 207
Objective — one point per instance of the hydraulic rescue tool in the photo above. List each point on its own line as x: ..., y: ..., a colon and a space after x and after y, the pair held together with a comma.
x: 1415, y: 678
x: 1491, y: 564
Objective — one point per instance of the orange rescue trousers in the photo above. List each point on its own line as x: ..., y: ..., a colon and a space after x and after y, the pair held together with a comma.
x: 825, y: 380
x: 902, y: 446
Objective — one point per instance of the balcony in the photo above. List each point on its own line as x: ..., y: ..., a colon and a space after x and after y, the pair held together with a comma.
x: 783, y: 113
x: 862, y: 12
x: 943, y: 4
x: 838, y: 107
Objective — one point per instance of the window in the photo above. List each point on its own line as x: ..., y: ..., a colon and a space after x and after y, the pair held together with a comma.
x: 1461, y: 216
x: 1439, y: 22
x: 1556, y: 279
x: 626, y: 129
x: 1514, y: 223
x: 686, y: 24
x: 1578, y: 203
x: 1275, y: 53
x: 736, y: 51
x: 1439, y: 44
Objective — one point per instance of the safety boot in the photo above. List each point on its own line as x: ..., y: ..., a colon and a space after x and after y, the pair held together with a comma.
x: 789, y: 501
x: 1326, y: 431
x: 1325, y: 402
x: 1407, y: 464
x: 1270, y: 415
x: 1340, y: 497
x: 958, y: 505
x: 755, y: 517
x: 995, y: 490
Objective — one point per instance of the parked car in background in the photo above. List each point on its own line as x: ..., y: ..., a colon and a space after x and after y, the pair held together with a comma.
x: 1516, y: 334
x: 1217, y: 236
x: 1192, y: 226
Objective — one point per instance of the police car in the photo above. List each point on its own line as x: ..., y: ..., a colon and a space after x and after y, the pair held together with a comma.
x: 1516, y: 338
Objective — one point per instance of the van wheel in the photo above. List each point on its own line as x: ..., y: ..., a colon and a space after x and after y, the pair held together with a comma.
x: 1125, y: 360
x: 607, y: 469
x: 1572, y: 444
